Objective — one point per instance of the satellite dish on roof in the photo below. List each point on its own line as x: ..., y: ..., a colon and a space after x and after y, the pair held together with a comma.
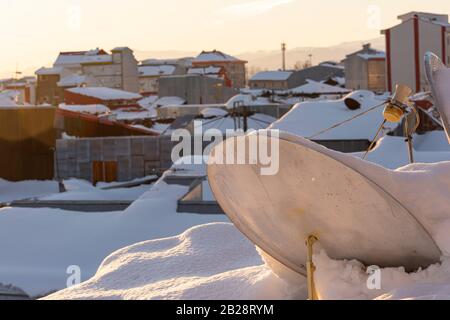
x: 438, y: 76
x: 323, y: 193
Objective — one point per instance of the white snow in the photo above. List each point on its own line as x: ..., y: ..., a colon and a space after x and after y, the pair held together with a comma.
x: 94, y: 109
x: 10, y: 191
x: 6, y: 101
x: 106, y: 94
x: 314, y: 87
x: 197, y: 264
x: 213, y: 112
x: 391, y: 152
x: 153, y: 71
x: 271, y: 76
x: 72, y: 80
x: 214, y: 56
x: 309, y: 118
x: 194, y: 265
x: 130, y: 115
x: 49, y: 71
x: 38, y: 245
x: 375, y: 55
x: 210, y: 70
x: 169, y: 101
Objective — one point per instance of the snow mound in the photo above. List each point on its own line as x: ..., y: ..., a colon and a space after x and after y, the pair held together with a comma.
x: 309, y: 118
x: 194, y: 265
x: 345, y: 280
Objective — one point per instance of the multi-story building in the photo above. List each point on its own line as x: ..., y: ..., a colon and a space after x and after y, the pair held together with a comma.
x: 366, y: 69
x: 234, y: 68
x: 94, y: 68
x: 407, y: 43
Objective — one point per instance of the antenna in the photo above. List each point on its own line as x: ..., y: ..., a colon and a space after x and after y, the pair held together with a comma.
x: 283, y: 51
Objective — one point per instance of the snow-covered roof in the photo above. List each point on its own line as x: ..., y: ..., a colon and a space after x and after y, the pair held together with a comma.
x: 151, y: 71
x: 169, y: 101
x: 215, y: 56
x: 309, y: 118
x: 7, y: 101
x: 105, y: 58
x: 314, y: 87
x: 49, y: 71
x: 72, y: 80
x: 375, y: 55
x: 213, y: 112
x: 255, y: 122
x: 94, y: 109
x: 272, y: 76
x: 122, y: 115
x: 104, y: 93
x: 147, y: 102
x: 67, y: 59
x: 205, y: 71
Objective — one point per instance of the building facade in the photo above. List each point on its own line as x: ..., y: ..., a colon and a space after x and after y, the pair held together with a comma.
x: 196, y: 89
x: 407, y: 43
x: 234, y: 68
x: 366, y: 69
x: 94, y: 68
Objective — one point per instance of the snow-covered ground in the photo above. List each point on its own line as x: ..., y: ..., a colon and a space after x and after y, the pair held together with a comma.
x: 76, y: 190
x: 38, y: 245
x: 212, y: 261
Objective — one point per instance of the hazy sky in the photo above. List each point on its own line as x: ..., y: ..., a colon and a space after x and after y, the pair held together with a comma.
x: 34, y: 31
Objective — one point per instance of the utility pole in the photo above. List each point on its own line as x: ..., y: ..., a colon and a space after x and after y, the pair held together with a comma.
x: 310, y: 59
x: 283, y: 51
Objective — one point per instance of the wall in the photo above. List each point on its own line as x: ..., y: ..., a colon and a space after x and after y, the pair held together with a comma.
x: 130, y: 72
x: 47, y: 90
x: 376, y: 75
x: 27, y: 139
x: 402, y: 55
x: 356, y: 73
x: 136, y: 157
x: 195, y: 89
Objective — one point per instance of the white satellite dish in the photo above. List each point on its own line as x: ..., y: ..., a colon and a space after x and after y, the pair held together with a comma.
x: 318, y: 192
x: 438, y: 76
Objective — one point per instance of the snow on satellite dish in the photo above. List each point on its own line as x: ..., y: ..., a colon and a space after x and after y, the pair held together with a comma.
x: 319, y: 192
x: 438, y: 76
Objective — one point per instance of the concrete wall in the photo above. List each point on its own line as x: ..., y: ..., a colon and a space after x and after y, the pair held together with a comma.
x: 195, y: 89
x: 136, y: 157
x: 130, y: 72
x: 402, y: 55
x: 376, y: 70
x: 403, y: 68
x: 356, y: 73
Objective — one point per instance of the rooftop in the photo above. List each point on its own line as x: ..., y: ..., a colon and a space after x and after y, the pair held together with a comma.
x: 151, y: 71
x: 272, y: 76
x: 215, y: 56
x: 106, y: 94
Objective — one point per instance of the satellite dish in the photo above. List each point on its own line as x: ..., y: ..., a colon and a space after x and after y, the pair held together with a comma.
x: 438, y: 76
x: 315, y: 193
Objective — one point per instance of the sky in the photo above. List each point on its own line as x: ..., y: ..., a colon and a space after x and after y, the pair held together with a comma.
x: 33, y: 32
